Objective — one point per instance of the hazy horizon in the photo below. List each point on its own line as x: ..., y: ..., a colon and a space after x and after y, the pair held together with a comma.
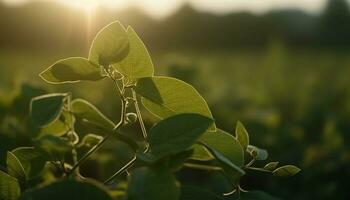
x: 161, y: 8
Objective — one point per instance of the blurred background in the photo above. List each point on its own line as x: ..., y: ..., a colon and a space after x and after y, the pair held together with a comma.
x: 282, y: 67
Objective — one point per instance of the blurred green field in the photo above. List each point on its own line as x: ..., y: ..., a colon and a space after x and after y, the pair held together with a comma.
x: 294, y: 102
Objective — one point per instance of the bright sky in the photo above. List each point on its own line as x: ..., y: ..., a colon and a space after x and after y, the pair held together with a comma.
x: 160, y: 8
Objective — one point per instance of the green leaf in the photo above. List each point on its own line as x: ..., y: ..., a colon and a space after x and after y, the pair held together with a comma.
x: 91, y: 140
x: 201, y: 153
x: 257, y: 195
x: 242, y: 135
x: 177, y: 133
x: 173, y: 162
x: 15, y: 168
x: 149, y: 184
x: 286, y: 171
x: 257, y: 153
x: 226, y: 144
x: 47, y: 108
x: 110, y: 45
x: 59, y: 127
x: 54, y: 147
x: 9, y: 187
x: 196, y: 193
x: 165, y: 97
x: 138, y: 62
x: 32, y: 160
x: 233, y: 172
x: 177, y: 161
x: 72, y: 70
x: 271, y: 166
x: 87, y: 112
x: 67, y: 190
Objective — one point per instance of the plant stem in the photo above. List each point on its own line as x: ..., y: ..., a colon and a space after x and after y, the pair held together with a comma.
x: 139, y: 116
x: 230, y: 193
x: 121, y: 170
x: 63, y: 167
x: 241, y: 189
x: 71, y: 135
x: 250, y: 163
x: 258, y: 169
x: 115, y: 81
x: 96, y: 147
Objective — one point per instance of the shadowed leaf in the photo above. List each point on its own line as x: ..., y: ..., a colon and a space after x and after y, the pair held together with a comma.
x: 226, y: 144
x: 177, y: 133
x: 257, y: 195
x: 110, y: 45
x: 196, y: 193
x: 72, y: 70
x: 31, y: 159
x: 138, y: 63
x: 9, y: 187
x: 15, y: 168
x: 84, y: 110
x: 47, y: 108
x: 233, y: 172
x: 68, y: 190
x: 54, y: 147
x: 149, y: 184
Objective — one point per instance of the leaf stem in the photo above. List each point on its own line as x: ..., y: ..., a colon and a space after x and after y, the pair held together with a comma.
x: 71, y: 136
x: 115, y: 81
x: 98, y: 146
x: 139, y: 116
x: 250, y: 163
x: 121, y: 170
x: 258, y: 169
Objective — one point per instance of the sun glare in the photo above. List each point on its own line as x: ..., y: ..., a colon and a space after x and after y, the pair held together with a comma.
x: 87, y: 5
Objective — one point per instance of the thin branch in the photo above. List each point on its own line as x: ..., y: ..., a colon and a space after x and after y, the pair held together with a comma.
x: 71, y: 136
x: 63, y: 168
x: 250, y: 163
x: 115, y: 81
x: 139, y: 116
x: 258, y: 169
x: 242, y: 190
x: 230, y: 193
x: 98, y: 146
x: 121, y: 170
x: 124, y: 168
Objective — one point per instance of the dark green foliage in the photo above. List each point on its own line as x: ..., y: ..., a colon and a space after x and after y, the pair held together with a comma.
x: 9, y: 187
x: 69, y: 190
x: 47, y: 108
x: 156, y: 184
x: 88, y: 113
x: 33, y: 161
x: 258, y: 195
x: 196, y: 193
x: 53, y: 147
x: 15, y: 168
x: 176, y: 134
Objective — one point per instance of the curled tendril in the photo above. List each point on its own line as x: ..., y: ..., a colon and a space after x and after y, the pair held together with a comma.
x: 74, y: 137
x: 130, y: 118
